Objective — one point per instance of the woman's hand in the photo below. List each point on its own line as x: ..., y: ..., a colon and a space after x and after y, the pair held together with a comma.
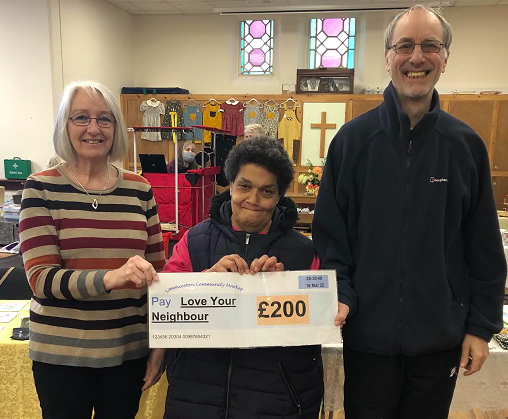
x: 154, y: 368
x: 266, y: 264
x: 230, y: 263
x: 136, y: 271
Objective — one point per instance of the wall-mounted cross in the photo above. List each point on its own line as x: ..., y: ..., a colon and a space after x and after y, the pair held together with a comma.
x: 323, y: 126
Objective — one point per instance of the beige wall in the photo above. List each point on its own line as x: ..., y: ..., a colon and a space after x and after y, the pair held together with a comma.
x: 96, y: 43
x: 44, y: 45
x: 200, y: 53
x: 479, y: 57
x: 25, y: 71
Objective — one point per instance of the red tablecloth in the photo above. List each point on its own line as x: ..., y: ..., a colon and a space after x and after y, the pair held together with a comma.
x: 190, y: 198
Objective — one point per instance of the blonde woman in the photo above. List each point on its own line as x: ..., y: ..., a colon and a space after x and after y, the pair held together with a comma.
x: 91, y: 243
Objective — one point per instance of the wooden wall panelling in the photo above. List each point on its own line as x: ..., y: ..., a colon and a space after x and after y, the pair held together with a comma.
x: 486, y: 114
x: 359, y: 107
x: 500, y: 186
x: 493, y: 136
x: 477, y: 114
x: 500, y: 158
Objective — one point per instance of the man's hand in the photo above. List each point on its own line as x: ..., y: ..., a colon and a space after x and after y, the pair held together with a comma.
x: 230, y: 263
x: 475, y: 351
x: 266, y: 264
x: 340, y: 319
x: 154, y: 368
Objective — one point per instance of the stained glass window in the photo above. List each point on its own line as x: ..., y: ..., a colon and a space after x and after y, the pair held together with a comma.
x: 332, y: 42
x: 256, y: 54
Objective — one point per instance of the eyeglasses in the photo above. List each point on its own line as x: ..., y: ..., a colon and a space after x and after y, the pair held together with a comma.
x: 407, y: 47
x: 84, y: 120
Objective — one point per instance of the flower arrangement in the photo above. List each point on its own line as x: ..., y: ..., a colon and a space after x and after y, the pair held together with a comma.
x: 312, y: 179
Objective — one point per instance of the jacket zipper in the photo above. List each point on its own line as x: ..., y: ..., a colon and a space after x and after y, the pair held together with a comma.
x: 404, y: 238
x: 292, y: 391
x: 178, y: 354
x: 229, y: 385
x: 247, y: 239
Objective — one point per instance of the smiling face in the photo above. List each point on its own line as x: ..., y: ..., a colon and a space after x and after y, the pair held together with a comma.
x: 90, y: 142
x: 254, y: 195
x: 415, y: 75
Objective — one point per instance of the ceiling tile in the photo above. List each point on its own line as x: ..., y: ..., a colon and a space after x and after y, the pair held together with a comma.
x: 216, y: 6
x: 190, y: 6
x: 149, y: 6
x: 128, y: 7
x: 476, y: 2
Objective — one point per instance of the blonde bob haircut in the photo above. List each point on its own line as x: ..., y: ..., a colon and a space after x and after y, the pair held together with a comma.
x: 61, y: 141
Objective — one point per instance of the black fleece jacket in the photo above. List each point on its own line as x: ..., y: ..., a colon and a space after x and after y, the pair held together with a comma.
x: 408, y: 220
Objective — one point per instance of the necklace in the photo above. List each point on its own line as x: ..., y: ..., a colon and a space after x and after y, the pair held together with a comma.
x: 95, y: 204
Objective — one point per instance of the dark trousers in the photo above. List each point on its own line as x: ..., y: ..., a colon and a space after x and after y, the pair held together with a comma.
x: 399, y: 387
x: 72, y: 392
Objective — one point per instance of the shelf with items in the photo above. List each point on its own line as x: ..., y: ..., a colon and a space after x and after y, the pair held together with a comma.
x: 12, y: 184
x: 304, y: 222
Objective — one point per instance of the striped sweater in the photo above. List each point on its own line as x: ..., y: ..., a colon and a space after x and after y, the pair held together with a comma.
x: 67, y: 248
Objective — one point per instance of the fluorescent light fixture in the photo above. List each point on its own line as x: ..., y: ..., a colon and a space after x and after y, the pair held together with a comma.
x: 325, y: 9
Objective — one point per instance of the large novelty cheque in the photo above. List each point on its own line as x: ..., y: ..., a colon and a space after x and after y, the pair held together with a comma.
x: 229, y: 310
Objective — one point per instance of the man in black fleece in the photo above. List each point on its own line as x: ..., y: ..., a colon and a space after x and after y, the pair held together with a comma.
x: 406, y: 216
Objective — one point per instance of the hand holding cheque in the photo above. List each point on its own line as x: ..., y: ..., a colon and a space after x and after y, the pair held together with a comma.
x: 235, y: 263
x: 217, y: 310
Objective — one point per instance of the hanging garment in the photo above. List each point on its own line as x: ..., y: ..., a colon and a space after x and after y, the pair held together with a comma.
x: 193, y: 116
x: 172, y: 118
x: 152, y: 118
x: 270, y: 119
x: 232, y: 118
x: 223, y: 145
x: 251, y: 114
x: 290, y: 129
x: 211, y: 118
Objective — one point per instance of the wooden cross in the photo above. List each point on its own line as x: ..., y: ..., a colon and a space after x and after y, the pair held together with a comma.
x: 323, y: 126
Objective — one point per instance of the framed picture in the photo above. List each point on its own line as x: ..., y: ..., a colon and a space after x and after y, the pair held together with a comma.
x: 325, y: 80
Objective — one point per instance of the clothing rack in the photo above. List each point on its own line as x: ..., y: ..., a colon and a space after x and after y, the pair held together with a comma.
x: 213, y: 131
x: 134, y: 130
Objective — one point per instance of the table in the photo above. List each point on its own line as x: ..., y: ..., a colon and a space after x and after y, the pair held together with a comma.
x: 486, y: 390
x: 18, y: 397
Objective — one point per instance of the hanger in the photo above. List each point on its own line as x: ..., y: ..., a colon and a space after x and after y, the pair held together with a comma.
x: 271, y: 100
x: 256, y: 102
x: 231, y: 101
x: 209, y: 101
x: 153, y: 102
x: 191, y: 102
x: 295, y: 103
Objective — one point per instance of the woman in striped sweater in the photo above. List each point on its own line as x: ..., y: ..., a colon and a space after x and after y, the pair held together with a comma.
x: 91, y: 243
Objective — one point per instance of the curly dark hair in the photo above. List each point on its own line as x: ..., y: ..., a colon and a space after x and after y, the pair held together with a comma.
x: 264, y: 152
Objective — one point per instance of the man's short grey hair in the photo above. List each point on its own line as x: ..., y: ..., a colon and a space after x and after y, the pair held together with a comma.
x: 61, y: 140
x: 436, y: 11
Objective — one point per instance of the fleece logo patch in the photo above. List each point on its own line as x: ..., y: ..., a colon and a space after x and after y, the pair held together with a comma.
x: 438, y: 179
